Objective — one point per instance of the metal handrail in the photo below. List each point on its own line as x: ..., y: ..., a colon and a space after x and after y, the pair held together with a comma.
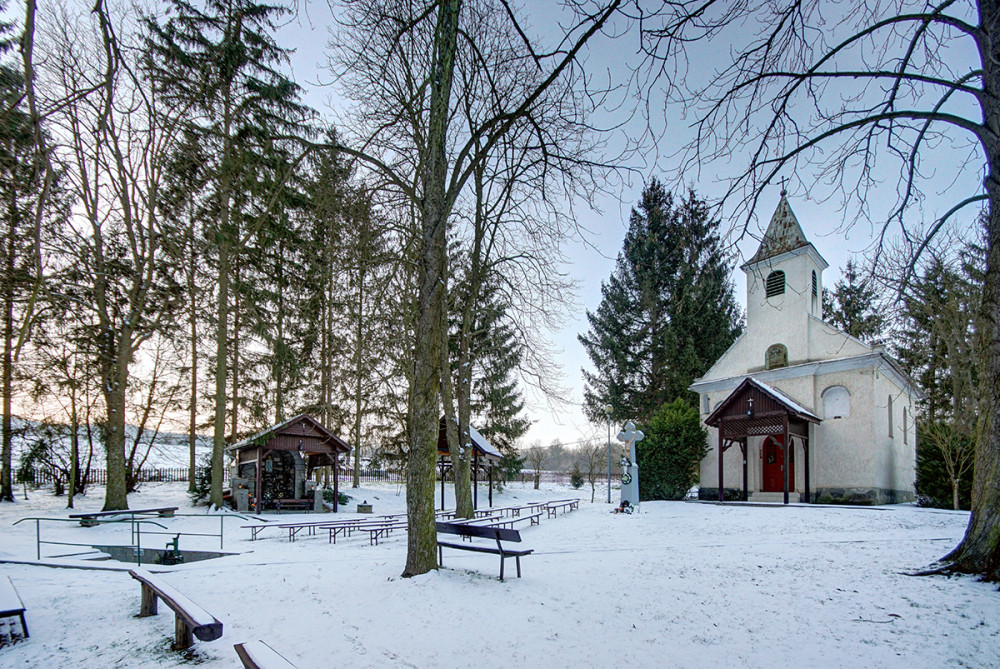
x: 136, y: 533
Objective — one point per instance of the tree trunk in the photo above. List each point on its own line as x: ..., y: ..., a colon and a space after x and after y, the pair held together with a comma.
x: 456, y: 445
x: 115, y: 382
x: 979, y: 552
x: 193, y: 318
x: 421, y: 553
x: 6, y: 478
x: 358, y: 366
x: 221, y: 397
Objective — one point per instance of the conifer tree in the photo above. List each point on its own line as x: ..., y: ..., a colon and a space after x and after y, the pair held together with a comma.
x: 851, y: 306
x: 667, y: 312
x: 222, y: 60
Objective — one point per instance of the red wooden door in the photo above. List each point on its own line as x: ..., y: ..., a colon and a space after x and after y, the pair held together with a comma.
x: 774, y: 465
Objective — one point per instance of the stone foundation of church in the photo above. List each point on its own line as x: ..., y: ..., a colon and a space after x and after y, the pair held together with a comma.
x: 854, y: 496
x: 861, y: 496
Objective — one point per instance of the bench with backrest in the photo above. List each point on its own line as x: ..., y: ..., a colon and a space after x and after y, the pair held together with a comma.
x: 258, y: 655
x: 11, y: 606
x: 93, y: 518
x: 497, y: 534
x: 190, y: 620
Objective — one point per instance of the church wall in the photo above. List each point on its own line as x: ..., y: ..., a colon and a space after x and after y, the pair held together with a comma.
x: 845, y: 452
x: 777, y: 319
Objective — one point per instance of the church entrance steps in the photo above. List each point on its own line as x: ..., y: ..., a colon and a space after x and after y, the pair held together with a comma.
x: 774, y: 497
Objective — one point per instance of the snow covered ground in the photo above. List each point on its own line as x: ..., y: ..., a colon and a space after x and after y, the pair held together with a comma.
x: 679, y: 584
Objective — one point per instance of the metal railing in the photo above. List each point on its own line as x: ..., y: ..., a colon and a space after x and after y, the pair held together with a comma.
x: 135, y: 531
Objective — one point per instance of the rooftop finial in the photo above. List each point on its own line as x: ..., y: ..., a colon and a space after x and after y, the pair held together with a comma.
x: 784, y: 192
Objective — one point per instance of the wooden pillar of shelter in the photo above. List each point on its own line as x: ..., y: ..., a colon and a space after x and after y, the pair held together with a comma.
x: 336, y: 481
x: 788, y: 450
x: 805, y: 453
x: 258, y: 492
x: 743, y: 448
x: 475, y: 478
x: 491, y: 484
x: 441, y: 467
x: 721, y: 497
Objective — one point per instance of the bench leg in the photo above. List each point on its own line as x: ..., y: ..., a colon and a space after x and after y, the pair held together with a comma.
x: 440, y: 557
x: 517, y: 558
x: 148, y: 605
x: 182, y: 635
x: 24, y: 626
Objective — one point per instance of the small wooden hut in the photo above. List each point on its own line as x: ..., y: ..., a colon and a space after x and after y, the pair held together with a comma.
x: 277, y: 462
x: 484, y: 457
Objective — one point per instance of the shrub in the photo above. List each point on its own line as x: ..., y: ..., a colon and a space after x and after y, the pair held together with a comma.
x: 670, y: 455
x: 576, y: 477
x: 202, y: 481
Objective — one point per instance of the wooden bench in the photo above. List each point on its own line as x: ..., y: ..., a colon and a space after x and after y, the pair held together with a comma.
x: 10, y: 606
x: 91, y: 519
x: 566, y: 505
x: 498, y: 534
x: 190, y: 618
x: 258, y: 655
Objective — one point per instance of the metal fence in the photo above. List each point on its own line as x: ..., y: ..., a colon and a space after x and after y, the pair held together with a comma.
x: 41, y: 476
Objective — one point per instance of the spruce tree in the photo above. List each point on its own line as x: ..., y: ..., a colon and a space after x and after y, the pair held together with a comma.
x: 220, y: 66
x: 667, y: 313
x: 851, y: 306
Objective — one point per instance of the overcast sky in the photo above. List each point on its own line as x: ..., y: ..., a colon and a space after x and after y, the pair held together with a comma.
x: 592, y: 261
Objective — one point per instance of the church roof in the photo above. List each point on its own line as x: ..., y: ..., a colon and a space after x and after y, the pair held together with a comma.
x: 783, y: 233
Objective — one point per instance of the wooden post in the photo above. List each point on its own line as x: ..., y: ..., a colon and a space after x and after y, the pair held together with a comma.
x: 258, y: 492
x: 182, y: 634
x: 491, y: 484
x: 147, y: 606
x: 787, y: 449
x: 441, y: 464
x: 475, y: 477
x: 336, y: 481
x: 721, y: 497
x: 805, y: 452
x: 743, y: 448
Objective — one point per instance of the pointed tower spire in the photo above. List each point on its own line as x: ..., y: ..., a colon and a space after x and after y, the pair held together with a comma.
x: 783, y: 234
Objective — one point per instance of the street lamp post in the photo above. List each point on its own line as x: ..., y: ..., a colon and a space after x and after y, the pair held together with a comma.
x: 607, y: 409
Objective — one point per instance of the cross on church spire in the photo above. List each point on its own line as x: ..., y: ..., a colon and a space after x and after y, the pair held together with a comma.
x: 783, y: 180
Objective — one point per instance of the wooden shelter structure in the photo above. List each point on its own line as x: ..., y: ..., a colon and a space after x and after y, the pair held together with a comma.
x: 484, y: 457
x: 755, y: 409
x: 282, y: 457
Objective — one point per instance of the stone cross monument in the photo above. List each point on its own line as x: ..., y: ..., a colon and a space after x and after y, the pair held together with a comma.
x: 630, y: 471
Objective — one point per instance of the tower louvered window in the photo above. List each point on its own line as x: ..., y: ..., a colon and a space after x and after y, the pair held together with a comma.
x: 815, y: 284
x: 775, y: 284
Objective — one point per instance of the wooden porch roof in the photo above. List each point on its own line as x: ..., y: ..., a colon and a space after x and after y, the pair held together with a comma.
x: 756, y: 409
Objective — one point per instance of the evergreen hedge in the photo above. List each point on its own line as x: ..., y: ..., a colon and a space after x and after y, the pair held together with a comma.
x: 670, y: 455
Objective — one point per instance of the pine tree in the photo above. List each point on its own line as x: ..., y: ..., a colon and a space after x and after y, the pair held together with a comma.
x: 852, y: 307
x: 667, y: 312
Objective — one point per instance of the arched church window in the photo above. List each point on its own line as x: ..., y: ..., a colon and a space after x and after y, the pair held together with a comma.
x: 777, y: 356
x: 836, y: 402
x: 775, y: 284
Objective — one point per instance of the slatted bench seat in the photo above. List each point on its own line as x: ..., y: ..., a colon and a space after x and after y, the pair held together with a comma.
x: 93, y: 518
x: 566, y: 505
x: 190, y: 620
x: 498, y: 534
x: 11, y: 606
x: 258, y: 655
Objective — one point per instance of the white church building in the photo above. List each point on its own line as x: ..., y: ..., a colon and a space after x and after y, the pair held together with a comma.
x: 815, y: 414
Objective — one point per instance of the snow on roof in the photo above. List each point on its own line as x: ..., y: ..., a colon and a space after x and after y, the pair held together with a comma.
x: 792, y: 404
x: 485, y: 446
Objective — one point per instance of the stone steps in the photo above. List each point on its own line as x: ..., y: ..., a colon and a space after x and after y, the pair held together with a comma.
x: 774, y: 497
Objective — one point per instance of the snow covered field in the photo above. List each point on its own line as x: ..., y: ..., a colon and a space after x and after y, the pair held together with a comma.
x: 677, y: 585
